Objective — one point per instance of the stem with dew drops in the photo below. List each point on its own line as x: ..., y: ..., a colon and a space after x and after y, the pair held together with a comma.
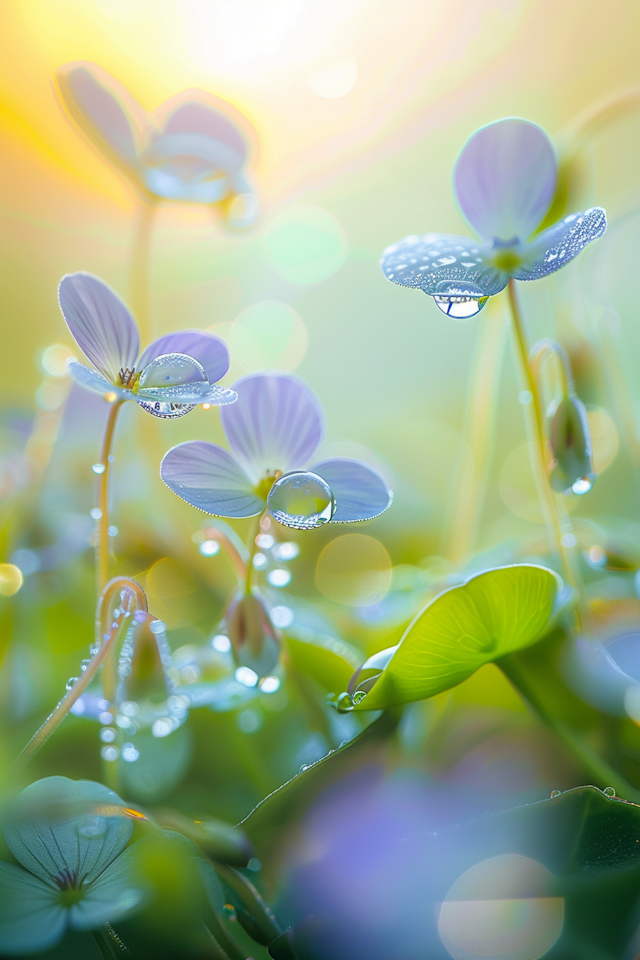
x: 104, y: 471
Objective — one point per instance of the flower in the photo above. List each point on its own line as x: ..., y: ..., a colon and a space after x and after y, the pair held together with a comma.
x: 193, y: 148
x: 505, y: 180
x: 274, y: 430
x: 69, y: 837
x: 176, y: 372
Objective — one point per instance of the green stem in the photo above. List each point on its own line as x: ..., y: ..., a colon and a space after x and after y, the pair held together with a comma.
x: 248, y: 584
x: 102, y: 544
x: 589, y: 760
x: 111, y: 946
x: 539, y: 457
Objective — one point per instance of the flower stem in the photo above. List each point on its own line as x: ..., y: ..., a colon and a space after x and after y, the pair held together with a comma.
x: 253, y: 549
x: 102, y: 545
x: 589, y: 760
x: 539, y: 458
x: 251, y: 900
x: 470, y: 490
x: 140, y: 266
x: 110, y: 945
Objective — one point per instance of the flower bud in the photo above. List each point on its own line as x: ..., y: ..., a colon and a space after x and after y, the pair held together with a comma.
x: 145, y: 660
x: 254, y: 640
x: 570, y: 439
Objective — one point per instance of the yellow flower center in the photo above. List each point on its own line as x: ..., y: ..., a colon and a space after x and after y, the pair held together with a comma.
x: 264, y: 485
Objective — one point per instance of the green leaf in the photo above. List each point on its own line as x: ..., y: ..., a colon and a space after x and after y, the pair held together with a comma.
x: 460, y: 630
x: 275, y: 816
x: 328, y: 661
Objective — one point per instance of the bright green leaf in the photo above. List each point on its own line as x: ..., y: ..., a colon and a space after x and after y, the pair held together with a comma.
x: 460, y: 630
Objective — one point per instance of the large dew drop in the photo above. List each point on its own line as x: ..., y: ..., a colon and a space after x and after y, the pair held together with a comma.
x: 582, y: 485
x: 170, y: 370
x: 301, y: 500
x: 460, y: 308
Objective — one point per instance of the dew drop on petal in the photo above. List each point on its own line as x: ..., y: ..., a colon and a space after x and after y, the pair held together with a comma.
x: 581, y: 486
x: 98, y: 468
x: 609, y: 792
x: 171, y: 370
x: 93, y: 827
x: 460, y: 308
x: 301, y: 500
x: 279, y: 577
x: 166, y: 410
x: 130, y: 753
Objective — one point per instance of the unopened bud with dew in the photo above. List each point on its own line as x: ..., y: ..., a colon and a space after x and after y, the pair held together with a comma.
x: 254, y: 639
x: 570, y: 440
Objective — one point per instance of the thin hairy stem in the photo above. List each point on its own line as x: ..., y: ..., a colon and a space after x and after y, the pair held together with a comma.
x: 102, y: 544
x: 140, y: 266
x: 539, y: 446
x: 470, y: 490
x: 588, y: 759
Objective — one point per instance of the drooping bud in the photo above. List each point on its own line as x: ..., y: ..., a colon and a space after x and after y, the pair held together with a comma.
x: 570, y: 439
x: 145, y: 660
x: 254, y: 640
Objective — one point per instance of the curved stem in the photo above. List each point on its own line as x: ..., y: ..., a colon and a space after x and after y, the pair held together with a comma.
x: 102, y: 545
x: 539, y: 460
x: 140, y: 266
x: 596, y: 766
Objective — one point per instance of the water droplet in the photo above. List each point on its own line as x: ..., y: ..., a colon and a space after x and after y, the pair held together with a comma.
x: 221, y: 643
x: 163, y: 727
x: 98, y: 468
x: 166, y: 410
x: 568, y: 540
x: 254, y: 864
x: 96, y: 513
x: 246, y: 676
x: 265, y: 541
x: 112, y: 531
x: 93, y: 827
x: 609, y: 792
x: 172, y: 370
x: 279, y: 577
x: 269, y: 685
x: 84, y: 664
x: 260, y: 561
x: 130, y: 753
x: 358, y: 696
x: 209, y: 548
x: 305, y: 766
x: 281, y: 617
x: 108, y: 735
x: 110, y: 754
x: 460, y: 308
x: 105, y: 717
x: 286, y: 551
x: 140, y: 616
x: 343, y: 703
x: 157, y: 626
x: 525, y: 397
x: 229, y: 911
x: 301, y: 500
x: 582, y: 486
x: 555, y: 793
x: 70, y: 682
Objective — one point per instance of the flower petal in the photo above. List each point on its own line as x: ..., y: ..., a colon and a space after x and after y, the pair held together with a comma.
x: 114, y: 894
x: 360, y: 491
x: 505, y: 178
x: 100, y: 323
x: 277, y: 423
x: 559, y: 244
x: 211, y: 393
x: 210, y: 479
x: 92, y: 380
x: 439, y: 262
x: 32, y: 917
x: 55, y: 827
x: 107, y: 112
x: 197, y: 111
x: 208, y: 350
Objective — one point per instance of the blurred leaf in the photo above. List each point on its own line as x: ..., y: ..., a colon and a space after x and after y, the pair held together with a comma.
x: 161, y: 764
x: 275, y: 816
x: 219, y: 840
x: 328, y: 661
x: 493, y: 614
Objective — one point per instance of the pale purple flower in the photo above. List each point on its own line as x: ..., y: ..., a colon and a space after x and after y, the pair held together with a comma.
x: 194, y: 147
x: 274, y: 431
x: 504, y: 180
x: 176, y: 372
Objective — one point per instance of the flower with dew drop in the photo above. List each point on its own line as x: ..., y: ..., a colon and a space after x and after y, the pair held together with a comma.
x: 69, y: 839
x: 172, y: 375
x: 274, y: 431
x: 505, y: 180
x: 193, y: 148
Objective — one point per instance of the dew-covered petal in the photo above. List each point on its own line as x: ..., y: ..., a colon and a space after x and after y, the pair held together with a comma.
x: 211, y: 393
x: 559, y: 244
x: 276, y: 424
x: 31, y: 915
x: 210, y: 479
x: 58, y: 824
x: 100, y: 323
x: 210, y: 351
x: 505, y: 178
x: 92, y: 380
x: 360, y: 491
x: 105, y: 110
x: 114, y: 894
x: 439, y: 263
